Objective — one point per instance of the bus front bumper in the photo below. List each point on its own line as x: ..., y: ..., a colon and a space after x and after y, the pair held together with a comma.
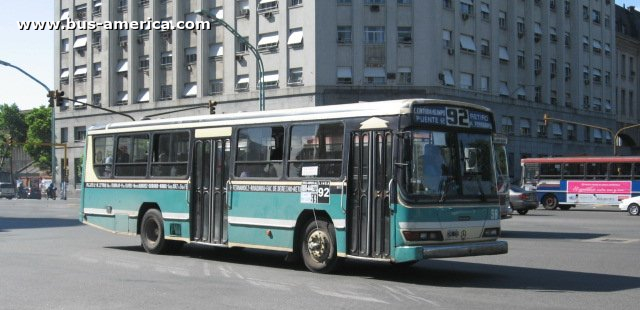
x: 414, y: 253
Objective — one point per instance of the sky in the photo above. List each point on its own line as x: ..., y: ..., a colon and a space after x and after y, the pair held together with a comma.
x: 33, y: 51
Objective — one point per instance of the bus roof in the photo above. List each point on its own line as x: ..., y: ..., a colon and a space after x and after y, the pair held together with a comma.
x: 582, y: 159
x: 339, y: 111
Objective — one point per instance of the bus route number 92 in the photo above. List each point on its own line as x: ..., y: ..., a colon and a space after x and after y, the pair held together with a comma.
x: 457, y: 117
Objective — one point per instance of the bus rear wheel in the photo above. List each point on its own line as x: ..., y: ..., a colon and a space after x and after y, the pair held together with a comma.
x: 152, y: 232
x: 318, y: 246
x: 633, y: 209
x: 550, y: 202
x: 523, y: 211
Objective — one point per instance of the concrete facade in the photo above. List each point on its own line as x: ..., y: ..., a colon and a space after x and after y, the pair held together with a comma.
x: 520, y: 58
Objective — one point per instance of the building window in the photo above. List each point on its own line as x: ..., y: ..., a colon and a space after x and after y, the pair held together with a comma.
x: 267, y: 5
x: 521, y: 59
x: 466, y: 7
x: 271, y: 79
x: 554, y: 97
x: 344, y: 75
x: 467, y: 43
x: 97, y: 69
x: 446, y: 38
x: 96, y: 37
x: 344, y: 34
x: 268, y: 42
x: 143, y: 95
x: 81, y: 12
x: 557, y: 130
x: 123, y: 98
x: 567, y: 100
x: 567, y: 71
x: 507, y: 125
x: 64, y: 135
x: 525, y: 127
x: 586, y: 105
x: 190, y: 55
x: 79, y: 133
x: 295, y: 77
x: 585, y: 12
x: 296, y: 2
x: 484, y: 10
x: 404, y: 76
x: 190, y: 90
x: 541, y: 130
x: 502, y: 20
x: 595, y: 17
x: 216, y: 87
x: 538, y: 94
x: 166, y: 60
x: 484, y: 83
x: 520, y: 27
x: 295, y: 38
x: 375, y: 76
x: 144, y: 62
x: 404, y: 35
x: 571, y: 132
x: 97, y: 100
x: 466, y: 80
x: 165, y: 92
x: 447, y: 4
x: 64, y: 46
x: 374, y: 35
x: 484, y: 48
x: 242, y: 82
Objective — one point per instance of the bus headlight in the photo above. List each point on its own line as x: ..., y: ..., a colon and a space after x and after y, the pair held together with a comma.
x: 491, y: 232
x: 422, y: 235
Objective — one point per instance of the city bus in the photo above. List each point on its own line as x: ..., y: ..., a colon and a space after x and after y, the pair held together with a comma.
x: 393, y: 181
x: 564, y: 182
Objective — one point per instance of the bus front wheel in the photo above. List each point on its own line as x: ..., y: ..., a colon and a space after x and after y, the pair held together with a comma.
x: 152, y: 232
x: 550, y: 202
x: 633, y: 209
x: 318, y: 246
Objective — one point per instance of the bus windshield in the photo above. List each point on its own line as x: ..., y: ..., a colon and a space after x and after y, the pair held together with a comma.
x: 449, y: 166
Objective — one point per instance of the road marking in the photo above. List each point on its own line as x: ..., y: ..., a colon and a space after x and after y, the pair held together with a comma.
x: 358, y: 297
x: 612, y: 240
x: 409, y: 295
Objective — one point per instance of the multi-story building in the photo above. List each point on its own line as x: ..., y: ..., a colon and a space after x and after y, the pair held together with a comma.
x: 627, y: 81
x: 521, y: 58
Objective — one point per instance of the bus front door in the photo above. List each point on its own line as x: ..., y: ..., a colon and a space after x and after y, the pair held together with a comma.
x: 209, y: 179
x: 368, y: 210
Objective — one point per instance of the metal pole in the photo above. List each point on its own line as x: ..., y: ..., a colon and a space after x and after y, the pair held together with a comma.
x: 254, y: 51
x: 615, y: 138
x: 53, y: 120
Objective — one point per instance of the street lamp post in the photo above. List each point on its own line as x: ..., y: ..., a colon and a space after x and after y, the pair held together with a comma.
x: 615, y: 138
x: 253, y: 50
x: 53, y: 119
x: 547, y: 118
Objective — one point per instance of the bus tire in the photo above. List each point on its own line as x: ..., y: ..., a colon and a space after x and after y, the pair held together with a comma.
x: 565, y: 207
x: 522, y: 211
x: 318, y: 246
x: 550, y: 202
x: 152, y: 232
x: 633, y: 209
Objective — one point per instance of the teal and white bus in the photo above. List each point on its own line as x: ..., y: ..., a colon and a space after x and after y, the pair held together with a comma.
x: 396, y: 181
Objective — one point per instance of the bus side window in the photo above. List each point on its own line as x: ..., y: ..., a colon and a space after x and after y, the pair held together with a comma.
x: 596, y: 171
x: 259, y: 152
x: 550, y: 171
x: 103, y: 156
x: 620, y: 171
x: 316, y: 150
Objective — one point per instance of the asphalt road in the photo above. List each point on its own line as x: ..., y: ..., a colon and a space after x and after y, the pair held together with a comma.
x: 580, y: 259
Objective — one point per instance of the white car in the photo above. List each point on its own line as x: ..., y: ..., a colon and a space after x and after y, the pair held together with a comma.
x: 631, y: 205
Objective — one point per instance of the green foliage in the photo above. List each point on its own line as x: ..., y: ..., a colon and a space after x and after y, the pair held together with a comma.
x: 39, y: 131
x: 12, y: 129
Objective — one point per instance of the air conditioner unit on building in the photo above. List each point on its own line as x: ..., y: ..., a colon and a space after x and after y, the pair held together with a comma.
x: 465, y: 16
x: 441, y: 76
x: 268, y: 15
x: 189, y: 67
x: 244, y: 12
x: 586, y: 81
x: 451, y: 51
x: 520, y: 34
x: 123, y: 44
x: 374, y: 8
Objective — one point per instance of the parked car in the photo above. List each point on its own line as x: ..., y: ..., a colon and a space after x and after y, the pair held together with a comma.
x: 631, y: 205
x: 522, y: 200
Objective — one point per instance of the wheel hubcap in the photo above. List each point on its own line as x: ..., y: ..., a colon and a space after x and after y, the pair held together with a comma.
x: 633, y: 210
x: 152, y: 231
x: 317, y: 246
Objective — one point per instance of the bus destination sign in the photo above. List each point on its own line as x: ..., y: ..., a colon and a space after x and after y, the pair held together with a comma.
x: 452, y: 117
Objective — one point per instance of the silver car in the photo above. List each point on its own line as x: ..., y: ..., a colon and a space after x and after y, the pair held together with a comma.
x: 521, y: 200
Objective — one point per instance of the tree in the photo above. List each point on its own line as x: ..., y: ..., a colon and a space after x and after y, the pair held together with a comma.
x: 12, y: 129
x: 39, y: 131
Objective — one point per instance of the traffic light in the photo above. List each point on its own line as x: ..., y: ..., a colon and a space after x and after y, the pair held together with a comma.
x: 52, y: 97
x: 545, y: 119
x: 212, y: 106
x: 59, y: 94
x: 10, y: 140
